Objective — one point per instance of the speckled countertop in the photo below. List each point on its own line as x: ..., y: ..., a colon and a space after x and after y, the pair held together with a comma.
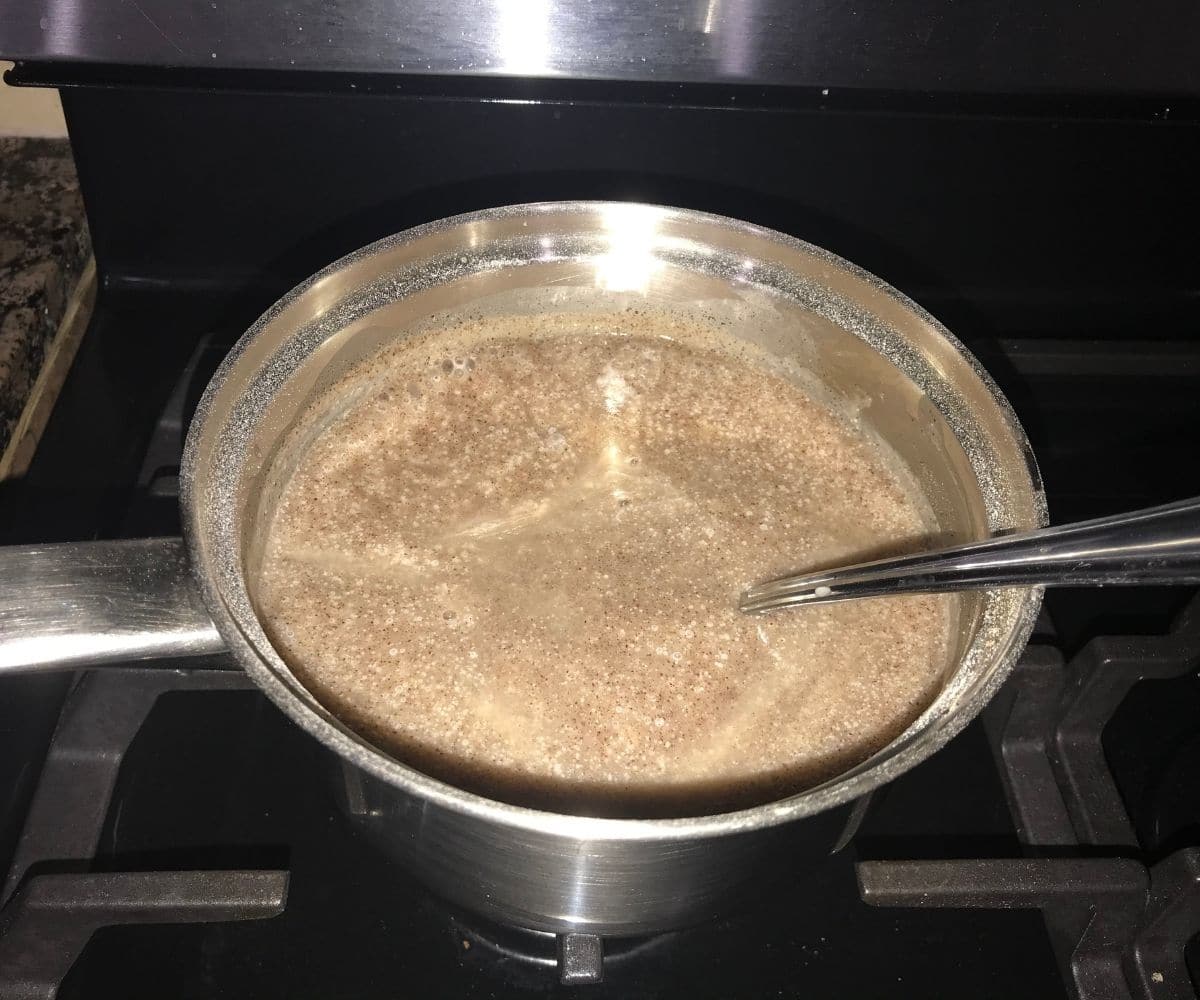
x: 43, y: 248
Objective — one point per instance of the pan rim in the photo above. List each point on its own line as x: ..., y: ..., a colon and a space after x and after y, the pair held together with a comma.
x: 303, y: 709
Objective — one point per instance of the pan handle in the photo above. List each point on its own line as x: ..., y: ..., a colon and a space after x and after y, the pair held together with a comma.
x: 82, y: 604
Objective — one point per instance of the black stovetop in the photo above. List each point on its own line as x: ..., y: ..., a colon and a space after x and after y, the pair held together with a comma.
x: 182, y: 839
x: 222, y: 780
x: 1049, y: 850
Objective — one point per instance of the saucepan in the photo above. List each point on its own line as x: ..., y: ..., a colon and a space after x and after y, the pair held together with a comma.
x: 907, y: 378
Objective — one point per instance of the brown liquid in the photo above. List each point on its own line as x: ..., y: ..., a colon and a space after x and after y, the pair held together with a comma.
x: 515, y: 561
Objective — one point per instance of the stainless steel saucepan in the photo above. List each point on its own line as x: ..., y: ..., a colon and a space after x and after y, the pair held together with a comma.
x: 830, y: 324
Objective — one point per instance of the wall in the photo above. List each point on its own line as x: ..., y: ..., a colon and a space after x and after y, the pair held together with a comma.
x: 29, y: 111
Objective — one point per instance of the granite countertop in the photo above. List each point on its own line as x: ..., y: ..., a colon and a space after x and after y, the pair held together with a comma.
x: 43, y: 248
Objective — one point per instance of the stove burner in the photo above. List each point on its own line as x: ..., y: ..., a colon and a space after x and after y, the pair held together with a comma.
x: 526, y: 957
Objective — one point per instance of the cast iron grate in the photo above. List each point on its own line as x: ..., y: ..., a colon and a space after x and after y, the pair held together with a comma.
x: 1119, y: 917
x: 52, y: 903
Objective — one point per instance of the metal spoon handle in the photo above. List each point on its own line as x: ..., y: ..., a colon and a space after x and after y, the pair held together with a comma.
x: 1159, y: 545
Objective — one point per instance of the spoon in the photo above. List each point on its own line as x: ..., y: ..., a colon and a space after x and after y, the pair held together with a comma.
x: 1158, y: 545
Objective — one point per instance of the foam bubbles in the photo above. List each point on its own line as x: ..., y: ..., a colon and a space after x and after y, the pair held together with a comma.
x: 515, y: 562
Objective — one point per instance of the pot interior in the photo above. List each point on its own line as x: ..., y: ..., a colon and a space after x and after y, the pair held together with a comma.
x: 838, y: 332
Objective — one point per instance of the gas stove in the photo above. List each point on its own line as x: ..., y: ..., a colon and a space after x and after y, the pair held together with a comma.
x: 167, y: 832
x: 1062, y: 826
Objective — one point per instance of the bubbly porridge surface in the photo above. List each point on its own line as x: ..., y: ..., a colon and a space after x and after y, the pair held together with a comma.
x: 514, y: 563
